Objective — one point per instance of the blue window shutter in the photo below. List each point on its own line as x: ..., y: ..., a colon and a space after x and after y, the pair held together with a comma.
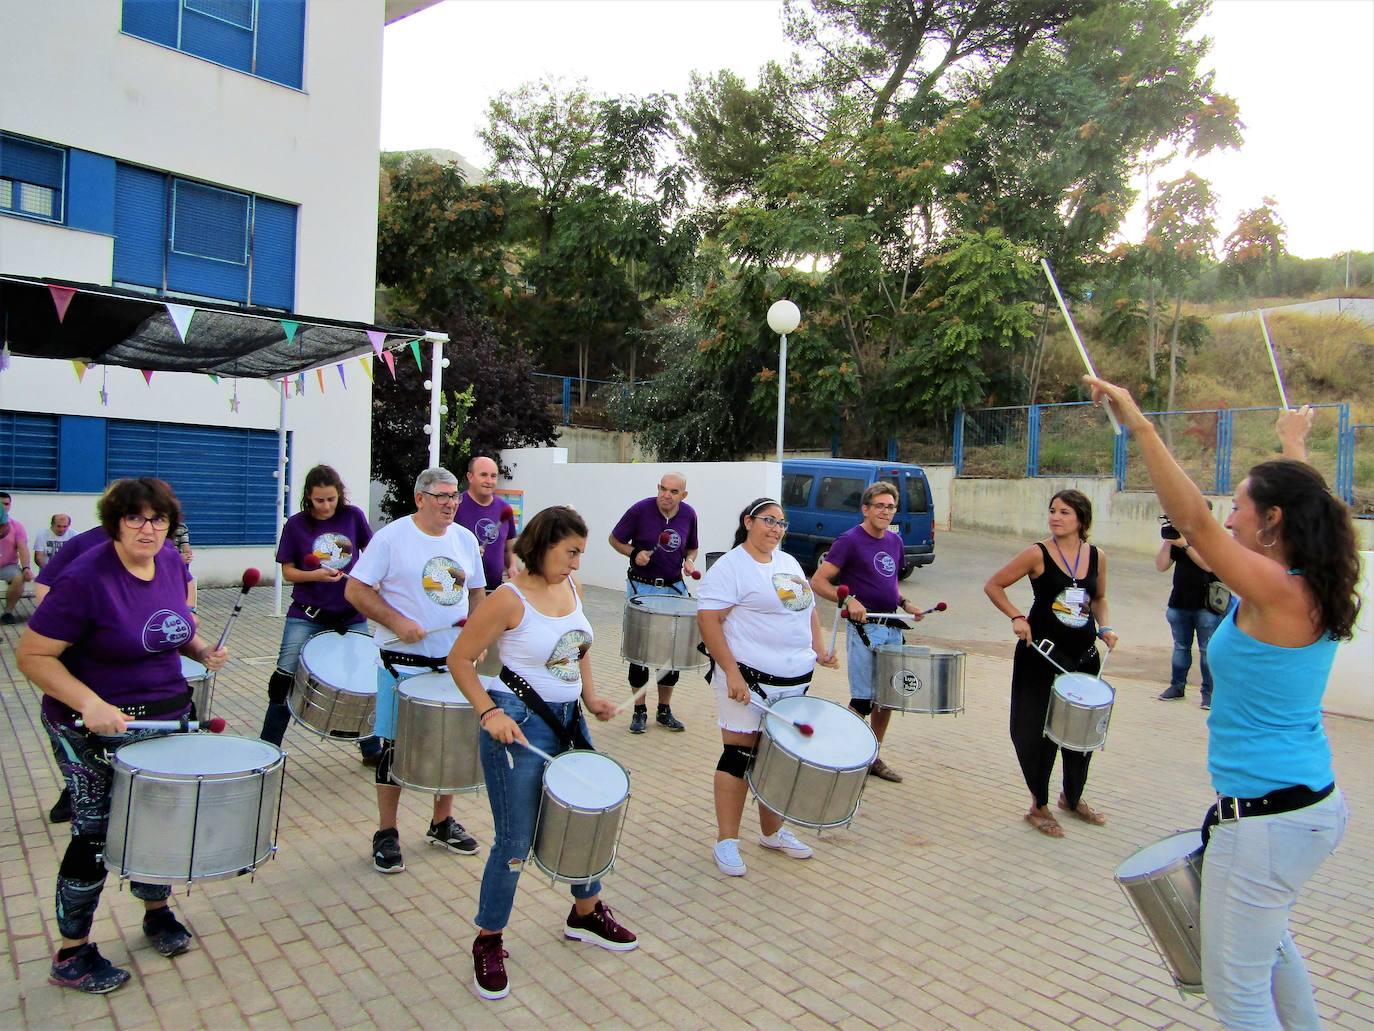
x: 274, y: 254
x: 281, y: 41
x: 36, y: 174
x: 140, y: 225
x: 215, y: 223
x: 81, y: 454
x: 216, y: 40
x: 28, y: 451
x: 153, y: 20
x: 91, y: 197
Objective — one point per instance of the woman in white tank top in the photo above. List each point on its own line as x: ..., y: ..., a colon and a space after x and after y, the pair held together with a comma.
x: 544, y: 637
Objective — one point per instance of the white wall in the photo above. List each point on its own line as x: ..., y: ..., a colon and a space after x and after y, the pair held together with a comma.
x: 1350, y: 691
x: 602, y: 493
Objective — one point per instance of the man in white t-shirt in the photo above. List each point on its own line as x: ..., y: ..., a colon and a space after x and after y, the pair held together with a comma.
x: 49, y: 542
x: 416, y: 579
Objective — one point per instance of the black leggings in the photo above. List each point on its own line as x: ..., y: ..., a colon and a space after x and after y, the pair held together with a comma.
x: 1035, y: 752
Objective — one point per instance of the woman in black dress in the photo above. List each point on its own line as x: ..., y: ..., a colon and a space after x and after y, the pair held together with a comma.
x: 1069, y: 579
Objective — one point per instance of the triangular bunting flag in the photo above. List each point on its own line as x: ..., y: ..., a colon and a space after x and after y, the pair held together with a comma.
x: 377, y: 338
x: 213, y: 377
x: 300, y: 384
x: 390, y: 360
x: 363, y: 361
x: 181, y: 318
x: 5, y: 358
x: 62, y: 299
x: 147, y: 376
x: 289, y: 328
x: 341, y: 375
x: 80, y: 368
x: 415, y: 350
x: 319, y: 375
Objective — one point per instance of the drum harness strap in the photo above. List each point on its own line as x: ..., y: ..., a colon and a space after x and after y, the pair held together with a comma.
x: 147, y: 710
x: 339, y: 622
x: 655, y: 581
x: 570, y: 736
x: 755, y: 677
x: 391, y: 660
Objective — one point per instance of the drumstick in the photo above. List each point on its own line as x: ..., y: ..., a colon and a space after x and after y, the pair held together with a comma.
x: 432, y: 630
x: 312, y: 562
x: 805, y: 729
x: 941, y: 607
x: 1273, y: 360
x: 635, y: 699
x: 841, y: 593
x: 215, y: 725
x: 1073, y: 332
x: 250, y: 580
x: 545, y: 755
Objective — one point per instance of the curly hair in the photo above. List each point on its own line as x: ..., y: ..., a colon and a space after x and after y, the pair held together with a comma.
x: 1318, y: 537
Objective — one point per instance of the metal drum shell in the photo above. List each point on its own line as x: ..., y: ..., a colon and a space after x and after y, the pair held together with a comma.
x: 1076, y: 725
x: 933, y: 683
x: 802, y: 790
x: 202, y: 684
x: 660, y: 631
x: 329, y: 710
x: 577, y: 843
x: 436, y: 738
x: 175, y: 827
x: 1168, y: 900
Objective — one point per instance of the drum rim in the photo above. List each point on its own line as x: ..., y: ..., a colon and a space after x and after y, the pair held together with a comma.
x: 1111, y: 691
x: 641, y: 602
x: 544, y: 781
x: 212, y: 740
x: 1174, y: 865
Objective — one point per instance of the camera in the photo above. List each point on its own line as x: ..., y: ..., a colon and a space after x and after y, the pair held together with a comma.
x: 1167, y: 530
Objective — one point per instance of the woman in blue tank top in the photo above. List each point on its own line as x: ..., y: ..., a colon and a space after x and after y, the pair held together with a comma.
x: 1292, y: 561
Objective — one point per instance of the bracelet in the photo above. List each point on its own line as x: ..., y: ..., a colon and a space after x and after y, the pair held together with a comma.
x: 483, y: 718
x: 1104, y: 630
x: 1018, y: 616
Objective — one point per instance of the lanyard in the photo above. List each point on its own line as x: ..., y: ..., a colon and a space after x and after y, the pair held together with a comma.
x: 1073, y: 570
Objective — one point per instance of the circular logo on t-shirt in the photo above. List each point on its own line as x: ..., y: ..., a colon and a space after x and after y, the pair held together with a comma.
x: 670, y: 540
x: 1070, y: 614
x: 334, y: 550
x: 486, y: 530
x: 885, y: 564
x: 165, y: 629
x: 443, y: 580
x: 793, y: 592
x: 563, y: 661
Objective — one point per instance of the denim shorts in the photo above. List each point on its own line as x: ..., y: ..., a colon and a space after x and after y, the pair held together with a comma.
x: 862, y: 663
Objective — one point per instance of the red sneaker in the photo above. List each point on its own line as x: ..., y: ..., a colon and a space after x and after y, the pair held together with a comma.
x: 600, y: 928
x: 489, y: 966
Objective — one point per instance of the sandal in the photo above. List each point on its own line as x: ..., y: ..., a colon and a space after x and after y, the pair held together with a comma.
x: 1046, y: 825
x: 1083, y: 811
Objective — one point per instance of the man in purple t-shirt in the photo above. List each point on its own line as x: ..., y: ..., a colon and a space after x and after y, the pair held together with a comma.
x: 868, y: 560
x: 491, y: 520
x: 659, y: 537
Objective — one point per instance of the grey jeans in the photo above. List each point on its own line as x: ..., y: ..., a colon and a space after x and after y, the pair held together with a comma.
x: 1252, y: 872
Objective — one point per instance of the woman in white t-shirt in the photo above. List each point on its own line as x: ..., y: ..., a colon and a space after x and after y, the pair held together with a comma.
x: 758, y: 621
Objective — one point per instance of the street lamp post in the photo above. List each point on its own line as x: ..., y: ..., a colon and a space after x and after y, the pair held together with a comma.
x: 783, y: 318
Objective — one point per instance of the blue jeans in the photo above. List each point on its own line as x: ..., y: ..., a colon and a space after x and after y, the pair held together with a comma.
x: 1185, y: 623
x: 860, y: 660
x: 1252, y: 872
x: 515, y: 792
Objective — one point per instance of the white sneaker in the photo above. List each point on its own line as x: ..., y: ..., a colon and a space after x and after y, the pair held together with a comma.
x: 727, y: 858
x: 785, y: 841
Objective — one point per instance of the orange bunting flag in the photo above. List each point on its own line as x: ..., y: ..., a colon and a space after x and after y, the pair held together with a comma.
x: 319, y: 375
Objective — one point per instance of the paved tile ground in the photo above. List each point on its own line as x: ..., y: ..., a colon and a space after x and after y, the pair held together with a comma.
x: 938, y: 908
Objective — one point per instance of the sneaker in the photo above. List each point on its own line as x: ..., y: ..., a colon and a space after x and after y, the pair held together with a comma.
x: 1172, y: 694
x: 787, y: 843
x: 87, y: 971
x: 667, y: 719
x: 728, y: 860
x: 883, y: 771
x: 600, y: 928
x: 9, y: 620
x: 639, y: 719
x: 1206, y: 700
x: 489, y: 967
x: 61, y: 811
x: 450, y: 834
x: 165, y: 931
x: 386, y: 851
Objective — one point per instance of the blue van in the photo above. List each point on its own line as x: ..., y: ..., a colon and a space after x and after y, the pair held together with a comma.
x: 821, y: 497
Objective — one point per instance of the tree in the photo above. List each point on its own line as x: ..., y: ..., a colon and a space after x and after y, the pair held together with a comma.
x: 1257, y: 242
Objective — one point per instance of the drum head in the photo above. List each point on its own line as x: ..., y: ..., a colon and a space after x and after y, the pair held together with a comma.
x: 1083, y: 689
x: 205, y: 755
x: 586, y: 780
x: 1161, y: 855
x: 841, y: 739
x: 665, y: 604
x: 431, y: 687
x: 344, y: 661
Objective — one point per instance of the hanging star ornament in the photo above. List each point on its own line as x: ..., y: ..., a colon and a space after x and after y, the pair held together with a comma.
x: 234, y: 401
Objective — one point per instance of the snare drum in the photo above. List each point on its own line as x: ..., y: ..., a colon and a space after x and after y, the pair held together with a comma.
x: 660, y: 631
x: 335, y: 691
x: 1163, y: 883
x: 1079, y: 711
x: 193, y: 807
x: 812, y: 781
x: 914, y: 678
x: 580, y: 816
x: 202, y: 684
x: 436, y: 736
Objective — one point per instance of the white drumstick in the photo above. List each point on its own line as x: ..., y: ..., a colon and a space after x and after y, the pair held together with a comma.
x: 549, y: 758
x: 433, y: 630
x: 841, y: 593
x: 1082, y: 351
x: 635, y: 699
x: 805, y: 729
x: 215, y: 725
x: 1273, y: 360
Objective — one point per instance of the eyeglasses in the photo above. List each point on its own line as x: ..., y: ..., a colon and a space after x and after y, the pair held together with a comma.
x: 883, y: 508
x: 774, y: 523
x: 137, y: 521
x: 443, y: 499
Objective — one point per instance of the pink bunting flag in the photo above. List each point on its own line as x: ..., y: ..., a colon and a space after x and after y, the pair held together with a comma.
x: 390, y: 360
x: 319, y: 375
x: 62, y: 299
x: 147, y: 376
x: 289, y: 327
x: 367, y: 367
x: 415, y: 350
x: 341, y: 375
x: 80, y: 368
x: 377, y: 338
x: 181, y: 315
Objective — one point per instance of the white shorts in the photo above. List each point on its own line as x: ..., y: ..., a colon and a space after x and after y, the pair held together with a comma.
x: 742, y: 718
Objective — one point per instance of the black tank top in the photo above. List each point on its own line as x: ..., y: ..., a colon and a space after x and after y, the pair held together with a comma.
x: 1052, y: 616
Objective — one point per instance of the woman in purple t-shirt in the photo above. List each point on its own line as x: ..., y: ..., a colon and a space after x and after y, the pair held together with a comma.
x: 319, y: 545
x: 105, y: 646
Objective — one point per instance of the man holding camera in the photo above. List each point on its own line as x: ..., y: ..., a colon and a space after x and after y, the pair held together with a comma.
x: 1191, y: 612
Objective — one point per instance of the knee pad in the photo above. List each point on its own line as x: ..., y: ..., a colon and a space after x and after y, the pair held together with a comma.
x: 279, y: 686
x: 639, y: 675
x: 668, y: 679
x: 383, y: 774
x: 81, y: 863
x: 734, y: 760
x: 863, y: 706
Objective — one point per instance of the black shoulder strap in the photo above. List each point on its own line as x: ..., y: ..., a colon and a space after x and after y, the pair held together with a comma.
x: 568, y: 737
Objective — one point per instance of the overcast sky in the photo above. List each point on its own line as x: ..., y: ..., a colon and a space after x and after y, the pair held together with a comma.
x: 1302, y: 70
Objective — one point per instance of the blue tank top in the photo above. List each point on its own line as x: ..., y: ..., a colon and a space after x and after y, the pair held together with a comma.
x: 1265, y: 728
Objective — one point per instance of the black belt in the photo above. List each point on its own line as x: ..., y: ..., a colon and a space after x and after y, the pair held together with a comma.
x: 390, y: 660
x: 147, y: 710
x: 895, y: 622
x: 1282, y: 800
x: 337, y: 621
x: 755, y: 677
x: 654, y: 581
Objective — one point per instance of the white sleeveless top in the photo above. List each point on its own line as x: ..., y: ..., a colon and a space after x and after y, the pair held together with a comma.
x: 545, y: 650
